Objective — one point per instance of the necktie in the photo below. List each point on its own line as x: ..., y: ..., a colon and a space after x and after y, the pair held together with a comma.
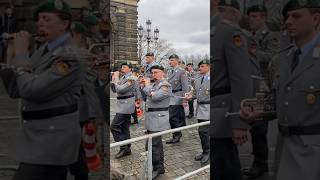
x: 202, y: 79
x: 295, y: 60
x: 45, y: 51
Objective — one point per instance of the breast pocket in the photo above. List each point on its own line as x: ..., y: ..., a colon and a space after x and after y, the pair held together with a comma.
x: 309, y: 94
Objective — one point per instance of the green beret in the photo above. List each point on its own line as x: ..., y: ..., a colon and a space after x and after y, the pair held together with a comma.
x: 79, y: 28
x: 299, y: 4
x: 257, y: 8
x: 205, y: 61
x: 53, y: 6
x: 190, y: 64
x: 90, y: 20
x: 149, y: 54
x: 174, y: 56
x: 157, y: 67
x: 231, y: 3
x: 125, y: 63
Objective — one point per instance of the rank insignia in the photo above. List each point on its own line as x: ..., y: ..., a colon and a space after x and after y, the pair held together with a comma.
x: 237, y: 40
x: 62, y: 67
x: 311, y: 98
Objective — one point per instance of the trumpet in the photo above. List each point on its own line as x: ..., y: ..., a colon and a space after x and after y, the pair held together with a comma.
x: 6, y: 36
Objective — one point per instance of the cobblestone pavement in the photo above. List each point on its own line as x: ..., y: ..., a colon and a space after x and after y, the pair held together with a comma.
x: 178, y: 158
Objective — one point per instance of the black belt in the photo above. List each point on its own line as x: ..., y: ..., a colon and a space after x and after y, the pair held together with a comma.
x: 48, y: 113
x: 299, y: 130
x: 177, y: 90
x: 157, y: 109
x: 220, y: 91
x: 204, y: 102
x: 125, y: 97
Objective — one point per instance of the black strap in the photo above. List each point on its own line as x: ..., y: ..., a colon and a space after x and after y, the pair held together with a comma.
x: 204, y: 102
x: 220, y: 91
x: 295, y: 60
x: 125, y: 97
x: 157, y: 109
x: 48, y: 113
x: 176, y: 90
x: 299, y: 130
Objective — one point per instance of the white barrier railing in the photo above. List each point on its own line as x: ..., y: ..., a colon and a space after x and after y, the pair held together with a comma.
x: 150, y: 136
x: 193, y: 173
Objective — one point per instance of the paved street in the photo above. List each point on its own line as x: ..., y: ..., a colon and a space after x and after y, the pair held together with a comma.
x: 178, y: 158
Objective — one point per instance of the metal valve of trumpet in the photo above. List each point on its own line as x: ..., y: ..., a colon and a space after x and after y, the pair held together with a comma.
x: 263, y: 102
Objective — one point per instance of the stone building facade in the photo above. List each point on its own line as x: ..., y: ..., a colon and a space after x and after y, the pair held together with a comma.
x: 124, y: 20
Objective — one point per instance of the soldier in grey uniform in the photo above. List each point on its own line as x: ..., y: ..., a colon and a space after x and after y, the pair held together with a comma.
x: 191, y: 74
x: 230, y: 83
x: 157, y: 97
x: 149, y: 63
x: 49, y: 84
x: 179, y: 83
x: 202, y: 94
x: 297, y: 86
x: 125, y: 89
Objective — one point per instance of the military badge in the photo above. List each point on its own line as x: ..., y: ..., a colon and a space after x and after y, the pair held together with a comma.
x: 303, y: 2
x: 311, y: 98
x: 58, y: 4
x: 237, y: 40
x: 165, y: 88
x: 62, y: 67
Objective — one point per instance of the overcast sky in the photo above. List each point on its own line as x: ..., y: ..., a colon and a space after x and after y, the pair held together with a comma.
x: 184, y: 23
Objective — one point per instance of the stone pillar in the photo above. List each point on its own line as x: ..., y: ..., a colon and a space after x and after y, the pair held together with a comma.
x: 124, y: 17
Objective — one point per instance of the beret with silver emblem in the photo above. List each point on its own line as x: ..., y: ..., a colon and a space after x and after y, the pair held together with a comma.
x: 299, y: 4
x: 205, y: 61
x: 257, y: 8
x: 53, y: 6
x: 230, y: 3
x: 174, y: 56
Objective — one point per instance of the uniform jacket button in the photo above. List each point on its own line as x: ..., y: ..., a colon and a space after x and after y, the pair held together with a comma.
x: 51, y: 127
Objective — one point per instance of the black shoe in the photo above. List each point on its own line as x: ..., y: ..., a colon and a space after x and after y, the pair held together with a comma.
x: 255, y: 172
x: 157, y: 172
x: 190, y: 116
x: 123, y: 152
x: 198, y: 157
x: 173, y: 140
x: 205, y: 159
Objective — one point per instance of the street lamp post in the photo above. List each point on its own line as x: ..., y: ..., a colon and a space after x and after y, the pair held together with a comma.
x: 148, y: 37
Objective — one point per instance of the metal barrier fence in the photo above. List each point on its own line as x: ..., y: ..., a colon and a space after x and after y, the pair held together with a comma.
x: 149, y: 155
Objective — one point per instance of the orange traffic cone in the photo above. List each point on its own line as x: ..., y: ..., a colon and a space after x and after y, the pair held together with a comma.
x: 89, y: 144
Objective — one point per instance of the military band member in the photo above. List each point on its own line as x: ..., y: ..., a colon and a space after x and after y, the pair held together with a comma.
x: 191, y: 74
x: 297, y: 84
x: 202, y: 94
x: 125, y: 88
x: 49, y: 84
x: 179, y: 83
x: 231, y: 82
x: 150, y: 61
x: 157, y: 97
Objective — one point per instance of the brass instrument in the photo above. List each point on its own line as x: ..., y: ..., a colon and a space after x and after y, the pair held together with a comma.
x: 264, y: 101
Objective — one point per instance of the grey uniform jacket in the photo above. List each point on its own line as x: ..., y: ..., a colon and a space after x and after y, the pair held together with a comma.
x: 298, y: 104
x: 157, y: 120
x: 202, y: 93
x: 55, y: 140
x: 125, y: 87
x: 179, y: 82
x: 231, y: 70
